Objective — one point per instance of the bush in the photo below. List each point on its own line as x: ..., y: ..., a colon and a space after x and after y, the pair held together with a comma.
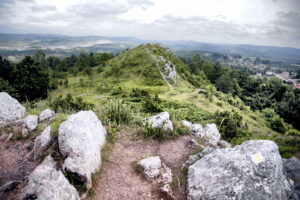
x: 152, y: 104
x: 70, y: 104
x: 116, y: 111
x: 230, y: 125
x: 293, y: 132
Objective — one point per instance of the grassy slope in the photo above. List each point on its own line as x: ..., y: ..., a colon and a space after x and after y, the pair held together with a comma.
x: 136, y: 68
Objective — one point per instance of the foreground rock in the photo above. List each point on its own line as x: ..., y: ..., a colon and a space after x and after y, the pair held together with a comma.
x: 209, y: 132
x: 47, y: 114
x: 10, y: 109
x: 161, y: 120
x: 154, y: 169
x: 30, y: 123
x: 292, y: 167
x: 81, y: 139
x: 45, y: 182
x: 42, y: 142
x: 151, y: 167
x: 252, y: 170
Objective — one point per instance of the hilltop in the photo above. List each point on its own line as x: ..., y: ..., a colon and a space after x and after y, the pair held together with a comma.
x: 149, y: 106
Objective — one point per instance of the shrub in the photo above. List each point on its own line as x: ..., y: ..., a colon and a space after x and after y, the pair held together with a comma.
x: 152, y: 104
x: 293, y: 132
x: 116, y: 111
x: 157, y: 133
x: 70, y: 104
x: 230, y: 125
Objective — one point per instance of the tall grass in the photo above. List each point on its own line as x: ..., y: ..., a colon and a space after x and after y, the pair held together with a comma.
x: 116, y: 111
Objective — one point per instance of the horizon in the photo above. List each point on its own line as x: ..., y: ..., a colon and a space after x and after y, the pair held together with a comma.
x: 147, y: 40
x: 259, y: 23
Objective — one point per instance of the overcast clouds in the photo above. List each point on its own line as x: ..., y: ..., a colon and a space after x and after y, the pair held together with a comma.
x: 262, y: 22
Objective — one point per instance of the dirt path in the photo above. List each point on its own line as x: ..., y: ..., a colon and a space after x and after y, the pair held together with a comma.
x: 119, y: 179
x: 16, y: 162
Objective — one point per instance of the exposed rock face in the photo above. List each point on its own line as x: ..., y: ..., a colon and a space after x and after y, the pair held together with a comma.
x: 45, y: 182
x: 30, y: 123
x: 209, y: 131
x: 224, y: 144
x: 42, y: 142
x: 161, y: 120
x: 170, y: 71
x: 252, y: 170
x: 151, y: 167
x: 292, y: 167
x: 194, y: 158
x: 81, y: 139
x: 195, y: 129
x: 10, y: 109
x: 46, y: 114
x: 212, y: 133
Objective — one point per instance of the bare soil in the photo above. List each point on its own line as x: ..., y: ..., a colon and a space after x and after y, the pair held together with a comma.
x: 119, y: 179
x: 16, y: 162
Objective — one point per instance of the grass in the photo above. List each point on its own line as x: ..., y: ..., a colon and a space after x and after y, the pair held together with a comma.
x: 110, y: 92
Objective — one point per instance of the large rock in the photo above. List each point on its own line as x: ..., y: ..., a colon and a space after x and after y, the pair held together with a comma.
x: 45, y: 182
x: 209, y: 132
x: 252, y: 170
x: 30, y: 123
x: 81, y: 138
x: 161, y: 120
x: 42, y: 142
x: 11, y: 111
x: 212, y: 134
x: 47, y: 114
x: 292, y: 167
x: 195, y: 129
x: 151, y: 167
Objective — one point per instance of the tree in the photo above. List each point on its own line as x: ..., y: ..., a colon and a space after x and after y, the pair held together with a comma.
x: 30, y: 80
x: 6, y: 69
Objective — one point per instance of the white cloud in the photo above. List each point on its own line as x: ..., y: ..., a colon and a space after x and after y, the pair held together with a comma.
x: 266, y: 22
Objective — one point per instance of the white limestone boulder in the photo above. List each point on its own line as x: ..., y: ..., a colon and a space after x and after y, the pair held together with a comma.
x: 45, y: 182
x: 47, y: 114
x: 11, y: 111
x: 151, y: 167
x: 30, y: 123
x: 252, y: 170
x: 81, y: 138
x: 162, y: 120
x: 195, y: 129
x: 42, y: 142
x: 209, y: 132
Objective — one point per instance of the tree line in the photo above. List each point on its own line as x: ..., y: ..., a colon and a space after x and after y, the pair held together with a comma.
x: 33, y: 76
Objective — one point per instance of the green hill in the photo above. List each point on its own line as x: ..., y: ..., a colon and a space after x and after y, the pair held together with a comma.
x: 140, y: 79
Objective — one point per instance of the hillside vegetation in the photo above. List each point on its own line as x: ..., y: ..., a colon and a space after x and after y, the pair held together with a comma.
x: 133, y: 85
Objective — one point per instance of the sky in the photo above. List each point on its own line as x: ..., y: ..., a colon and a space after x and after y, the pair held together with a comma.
x: 257, y: 22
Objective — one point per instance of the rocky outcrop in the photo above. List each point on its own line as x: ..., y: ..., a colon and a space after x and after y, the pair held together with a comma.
x: 11, y: 111
x: 45, y: 182
x: 209, y: 132
x: 170, y: 71
x: 42, y: 142
x: 81, y: 138
x: 151, y: 167
x: 47, y: 114
x: 30, y: 123
x: 194, y: 158
x: 292, y: 168
x: 212, y: 134
x: 161, y: 120
x: 154, y: 169
x: 252, y: 170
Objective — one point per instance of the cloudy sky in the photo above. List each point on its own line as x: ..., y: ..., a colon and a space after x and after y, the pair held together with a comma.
x: 260, y: 22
